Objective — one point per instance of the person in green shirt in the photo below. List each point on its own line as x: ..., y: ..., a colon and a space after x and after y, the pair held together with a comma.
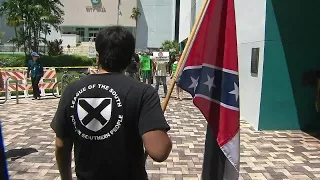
x: 173, y: 71
x: 146, y: 68
x: 35, y: 70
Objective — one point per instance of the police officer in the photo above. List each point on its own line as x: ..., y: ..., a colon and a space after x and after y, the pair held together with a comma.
x: 35, y: 70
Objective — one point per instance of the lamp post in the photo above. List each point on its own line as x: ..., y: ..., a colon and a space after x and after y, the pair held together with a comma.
x: 118, y: 12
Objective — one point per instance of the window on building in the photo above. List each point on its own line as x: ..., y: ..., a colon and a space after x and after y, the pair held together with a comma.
x: 193, y: 12
x: 94, y: 29
x: 93, y: 34
x: 177, y: 21
x: 80, y: 32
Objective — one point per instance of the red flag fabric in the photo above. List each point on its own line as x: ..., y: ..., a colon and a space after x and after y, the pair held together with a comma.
x: 210, y: 75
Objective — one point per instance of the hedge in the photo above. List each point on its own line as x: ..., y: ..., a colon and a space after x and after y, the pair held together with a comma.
x: 18, y: 60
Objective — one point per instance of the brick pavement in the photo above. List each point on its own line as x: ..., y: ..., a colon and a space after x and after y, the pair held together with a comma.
x: 264, y: 155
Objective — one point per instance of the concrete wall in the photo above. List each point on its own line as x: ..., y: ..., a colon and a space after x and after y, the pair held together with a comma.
x: 189, y: 11
x: 185, y: 19
x: 250, y: 19
x: 156, y: 23
x: 76, y: 13
x: 69, y: 39
x: 291, y: 49
x: 199, y: 4
x: 53, y: 35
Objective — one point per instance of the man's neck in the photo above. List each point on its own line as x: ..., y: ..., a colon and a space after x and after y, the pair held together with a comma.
x: 102, y: 71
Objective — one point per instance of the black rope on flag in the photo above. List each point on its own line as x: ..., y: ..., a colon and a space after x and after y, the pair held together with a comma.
x: 214, y: 159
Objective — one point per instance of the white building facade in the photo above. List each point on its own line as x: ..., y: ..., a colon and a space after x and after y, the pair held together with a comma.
x: 156, y: 24
x: 84, y: 18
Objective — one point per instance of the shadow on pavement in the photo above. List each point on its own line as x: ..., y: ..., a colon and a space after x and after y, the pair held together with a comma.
x: 15, y: 154
x: 187, y: 98
x: 313, y: 134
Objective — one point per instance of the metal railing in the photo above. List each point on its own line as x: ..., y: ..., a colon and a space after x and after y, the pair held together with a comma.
x: 7, y: 89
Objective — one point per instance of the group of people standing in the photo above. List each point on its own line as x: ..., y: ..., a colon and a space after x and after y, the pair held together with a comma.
x: 145, y: 69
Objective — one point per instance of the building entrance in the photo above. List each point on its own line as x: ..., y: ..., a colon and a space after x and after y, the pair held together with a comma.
x: 92, y: 32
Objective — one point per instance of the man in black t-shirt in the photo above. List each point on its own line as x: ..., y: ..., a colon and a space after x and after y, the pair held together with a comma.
x: 110, y: 118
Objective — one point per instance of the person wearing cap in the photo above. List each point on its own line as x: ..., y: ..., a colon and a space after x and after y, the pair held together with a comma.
x: 35, y: 71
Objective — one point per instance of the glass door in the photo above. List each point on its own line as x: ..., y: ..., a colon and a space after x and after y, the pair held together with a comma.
x: 93, y: 33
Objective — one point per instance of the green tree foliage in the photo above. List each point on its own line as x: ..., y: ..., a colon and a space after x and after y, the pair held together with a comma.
x: 55, y: 47
x: 135, y: 15
x: 172, y: 46
x: 18, y: 60
x: 30, y: 19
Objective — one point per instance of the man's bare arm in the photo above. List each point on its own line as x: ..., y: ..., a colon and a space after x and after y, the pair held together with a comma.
x: 64, y: 157
x: 158, y: 145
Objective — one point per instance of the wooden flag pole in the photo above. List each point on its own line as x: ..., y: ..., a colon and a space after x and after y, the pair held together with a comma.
x: 184, y: 54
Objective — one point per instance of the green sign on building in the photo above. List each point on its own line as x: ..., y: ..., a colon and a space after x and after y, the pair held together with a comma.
x: 95, y: 1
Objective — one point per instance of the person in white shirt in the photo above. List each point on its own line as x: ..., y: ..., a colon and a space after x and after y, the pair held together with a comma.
x: 160, y: 73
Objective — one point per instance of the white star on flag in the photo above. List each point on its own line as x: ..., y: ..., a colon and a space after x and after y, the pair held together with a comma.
x: 210, y: 82
x: 235, y: 92
x: 194, y: 83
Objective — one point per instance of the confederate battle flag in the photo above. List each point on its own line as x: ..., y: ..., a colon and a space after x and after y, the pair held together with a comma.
x: 210, y: 75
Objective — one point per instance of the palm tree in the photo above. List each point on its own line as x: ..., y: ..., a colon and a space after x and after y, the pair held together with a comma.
x: 14, y: 22
x: 135, y: 15
x: 10, y: 9
x: 35, y: 14
x: 51, y: 14
x: 171, y: 46
x: 46, y: 30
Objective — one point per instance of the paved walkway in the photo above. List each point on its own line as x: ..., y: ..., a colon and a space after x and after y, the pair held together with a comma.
x: 264, y: 155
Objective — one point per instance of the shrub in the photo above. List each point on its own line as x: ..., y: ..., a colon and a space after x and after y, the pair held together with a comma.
x: 48, y: 61
x: 54, y: 47
x: 13, y: 60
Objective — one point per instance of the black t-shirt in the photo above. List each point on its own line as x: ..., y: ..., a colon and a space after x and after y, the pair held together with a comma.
x: 133, y: 66
x: 105, y: 115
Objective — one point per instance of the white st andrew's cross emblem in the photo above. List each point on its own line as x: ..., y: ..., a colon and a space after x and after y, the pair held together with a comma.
x: 94, y: 113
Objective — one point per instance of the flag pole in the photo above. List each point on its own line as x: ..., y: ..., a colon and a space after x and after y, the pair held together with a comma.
x: 118, y: 13
x: 184, y: 54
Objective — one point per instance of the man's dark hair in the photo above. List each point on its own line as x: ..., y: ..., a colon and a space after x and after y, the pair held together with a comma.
x: 115, y: 46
